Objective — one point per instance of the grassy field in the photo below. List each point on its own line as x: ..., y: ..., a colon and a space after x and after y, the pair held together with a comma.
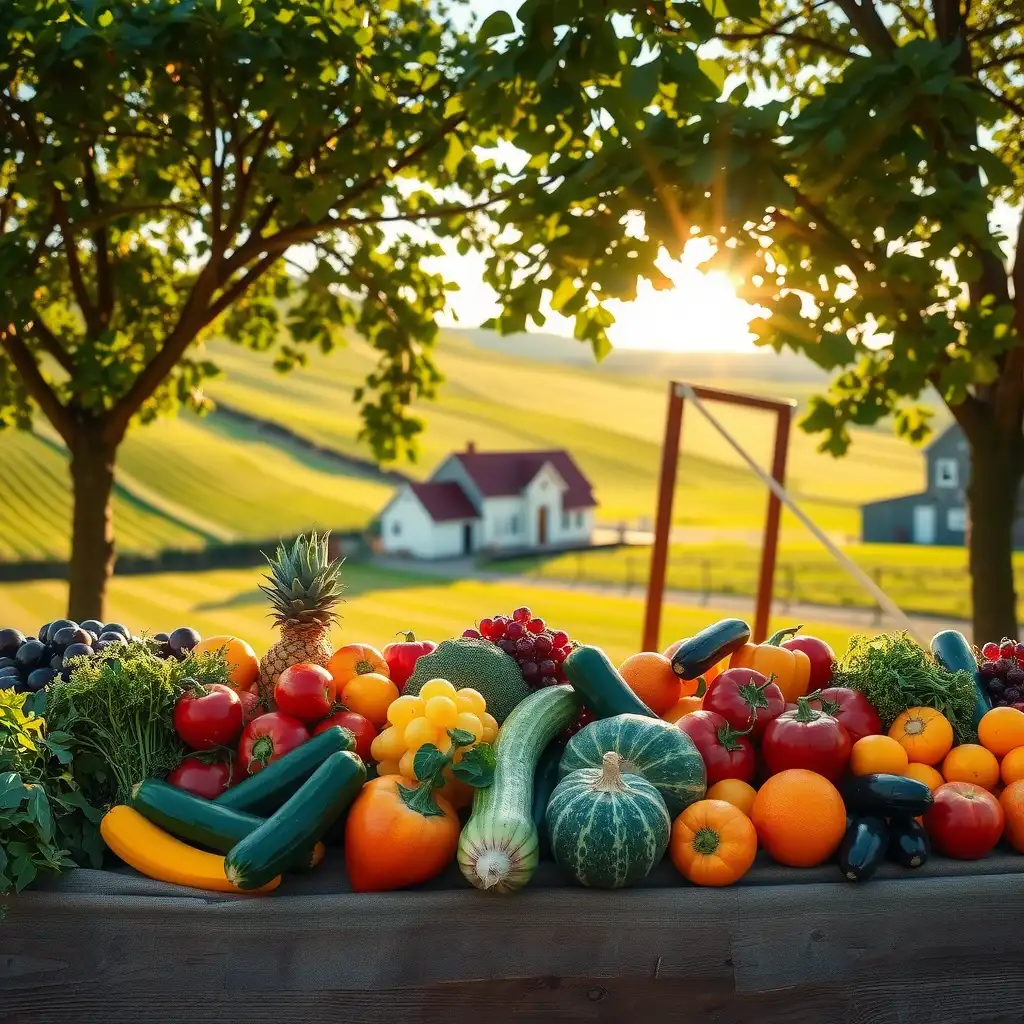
x: 379, y: 604
x: 930, y: 581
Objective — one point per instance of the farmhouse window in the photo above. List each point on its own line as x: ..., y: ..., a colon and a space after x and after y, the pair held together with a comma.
x: 579, y: 518
x: 565, y: 520
x: 396, y: 527
x: 956, y: 520
x: 947, y: 473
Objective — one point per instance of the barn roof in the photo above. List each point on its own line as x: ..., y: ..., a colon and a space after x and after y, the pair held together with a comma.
x: 505, y: 474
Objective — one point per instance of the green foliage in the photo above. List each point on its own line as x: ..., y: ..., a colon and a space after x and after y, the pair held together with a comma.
x: 46, y: 823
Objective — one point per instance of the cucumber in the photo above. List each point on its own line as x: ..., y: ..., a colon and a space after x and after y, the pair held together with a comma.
x: 299, y: 823
x: 952, y: 651
x: 693, y: 657
x: 202, y: 822
x: 909, y: 845
x: 887, y: 796
x: 863, y: 848
x: 598, y: 682
x: 545, y: 778
x: 264, y: 792
x: 499, y: 847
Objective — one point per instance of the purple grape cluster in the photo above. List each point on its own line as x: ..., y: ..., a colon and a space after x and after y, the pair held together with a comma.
x: 1003, y: 673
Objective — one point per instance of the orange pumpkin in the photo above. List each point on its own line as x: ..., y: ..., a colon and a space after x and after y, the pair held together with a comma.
x: 791, y: 669
x: 713, y: 843
x: 356, y: 660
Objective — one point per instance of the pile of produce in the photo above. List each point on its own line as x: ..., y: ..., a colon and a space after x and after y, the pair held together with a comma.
x: 195, y: 761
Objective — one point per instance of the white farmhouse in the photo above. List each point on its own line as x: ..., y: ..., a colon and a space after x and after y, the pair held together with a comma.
x: 491, y: 501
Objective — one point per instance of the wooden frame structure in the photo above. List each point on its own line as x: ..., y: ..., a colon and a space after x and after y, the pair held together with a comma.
x: 783, y: 409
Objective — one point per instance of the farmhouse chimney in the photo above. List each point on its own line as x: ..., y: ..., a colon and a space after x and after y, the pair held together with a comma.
x: 471, y: 447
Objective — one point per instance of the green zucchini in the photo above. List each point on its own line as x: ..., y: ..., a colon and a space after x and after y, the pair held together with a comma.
x: 863, y: 848
x: 202, y: 822
x: 694, y: 656
x: 887, y: 796
x: 909, y: 845
x: 299, y: 823
x: 264, y: 792
x: 951, y: 650
x: 598, y: 682
x: 499, y: 847
x: 545, y: 778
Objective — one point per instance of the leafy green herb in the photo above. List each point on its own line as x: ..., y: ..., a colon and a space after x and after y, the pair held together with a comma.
x: 117, y: 712
x: 46, y: 823
x: 895, y: 673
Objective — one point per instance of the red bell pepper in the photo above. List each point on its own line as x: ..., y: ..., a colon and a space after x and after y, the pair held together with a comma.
x: 401, y: 657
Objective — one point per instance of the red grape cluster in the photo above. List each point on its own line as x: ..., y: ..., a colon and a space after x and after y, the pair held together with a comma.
x: 539, y: 651
x: 1003, y: 673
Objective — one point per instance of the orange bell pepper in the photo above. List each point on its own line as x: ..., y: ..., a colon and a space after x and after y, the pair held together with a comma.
x: 791, y: 669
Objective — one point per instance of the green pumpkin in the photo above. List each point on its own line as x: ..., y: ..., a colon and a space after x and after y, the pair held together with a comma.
x: 607, y: 829
x: 658, y: 751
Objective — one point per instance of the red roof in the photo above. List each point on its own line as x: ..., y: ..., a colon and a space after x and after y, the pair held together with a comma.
x: 444, y: 502
x: 504, y: 474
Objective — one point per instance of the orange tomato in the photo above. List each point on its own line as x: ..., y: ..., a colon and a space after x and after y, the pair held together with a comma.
x: 356, y: 660
x: 713, y: 843
x: 243, y: 665
x: 971, y: 762
x: 682, y: 707
x: 926, y: 774
x: 1011, y: 769
x: 924, y: 733
x: 736, y: 792
x: 1001, y: 730
x: 1012, y: 802
x: 393, y: 841
x: 872, y: 754
x: 651, y: 678
x: 370, y: 695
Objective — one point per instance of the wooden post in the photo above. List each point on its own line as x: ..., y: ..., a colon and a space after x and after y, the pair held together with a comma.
x: 663, y: 523
x: 769, y: 551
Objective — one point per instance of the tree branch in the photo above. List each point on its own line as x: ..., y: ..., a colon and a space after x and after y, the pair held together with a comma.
x: 36, y: 385
x: 796, y: 37
x: 246, y: 178
x: 995, y: 29
x: 51, y: 343
x: 235, y: 290
x: 104, y: 285
x: 864, y: 18
x: 74, y: 267
x: 1006, y: 58
x: 216, y: 170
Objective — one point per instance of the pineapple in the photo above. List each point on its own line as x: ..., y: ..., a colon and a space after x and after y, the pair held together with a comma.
x: 304, y: 586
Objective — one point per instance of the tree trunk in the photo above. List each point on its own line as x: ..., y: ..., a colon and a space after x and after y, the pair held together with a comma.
x: 996, y: 474
x: 92, y: 530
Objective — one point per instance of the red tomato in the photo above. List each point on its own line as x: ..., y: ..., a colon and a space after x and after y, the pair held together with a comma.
x: 745, y: 699
x: 401, y: 657
x: 965, y: 821
x: 269, y: 738
x: 809, y: 739
x: 203, y: 776
x: 305, y: 692
x: 821, y: 656
x: 856, y: 713
x: 726, y: 754
x: 251, y: 707
x: 361, y: 728
x: 210, y: 716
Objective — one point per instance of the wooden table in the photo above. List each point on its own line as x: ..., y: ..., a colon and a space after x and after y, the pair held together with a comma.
x: 939, y: 946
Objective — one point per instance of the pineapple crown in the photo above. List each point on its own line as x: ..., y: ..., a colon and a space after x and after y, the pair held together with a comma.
x: 304, y: 583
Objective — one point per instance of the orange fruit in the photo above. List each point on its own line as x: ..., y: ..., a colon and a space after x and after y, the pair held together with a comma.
x: 243, y: 665
x: 800, y: 817
x: 1001, y: 730
x: 734, y: 791
x: 650, y: 677
x: 971, y: 762
x: 356, y: 660
x: 370, y: 695
x: 1012, y: 767
x: 924, y: 733
x: 872, y: 754
x: 1012, y: 802
x: 926, y: 774
x: 683, y: 706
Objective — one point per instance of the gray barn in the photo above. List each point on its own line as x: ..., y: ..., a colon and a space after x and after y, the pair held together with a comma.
x: 938, y: 515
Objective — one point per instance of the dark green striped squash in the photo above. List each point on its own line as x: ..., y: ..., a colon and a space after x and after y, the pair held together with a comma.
x: 658, y: 751
x: 607, y: 828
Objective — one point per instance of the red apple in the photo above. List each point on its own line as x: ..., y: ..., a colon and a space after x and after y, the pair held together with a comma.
x: 305, y: 692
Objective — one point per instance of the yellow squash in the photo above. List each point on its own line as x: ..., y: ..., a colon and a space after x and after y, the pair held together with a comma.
x: 154, y: 853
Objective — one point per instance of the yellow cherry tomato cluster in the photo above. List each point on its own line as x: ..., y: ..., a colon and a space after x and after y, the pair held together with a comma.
x: 415, y: 721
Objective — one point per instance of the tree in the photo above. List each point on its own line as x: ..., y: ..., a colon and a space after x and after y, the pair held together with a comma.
x: 854, y: 178
x: 164, y: 166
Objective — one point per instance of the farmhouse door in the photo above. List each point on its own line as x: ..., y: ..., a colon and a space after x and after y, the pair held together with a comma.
x: 467, y: 539
x: 924, y: 524
x: 542, y: 526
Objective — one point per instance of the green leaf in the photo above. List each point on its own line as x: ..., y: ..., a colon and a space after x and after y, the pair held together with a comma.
x: 477, y: 766
x: 428, y: 762
x: 461, y: 737
x: 498, y: 23
x: 714, y: 71
x: 12, y: 790
x: 456, y: 151
x: 745, y: 10
x: 105, y: 19
x: 39, y: 809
